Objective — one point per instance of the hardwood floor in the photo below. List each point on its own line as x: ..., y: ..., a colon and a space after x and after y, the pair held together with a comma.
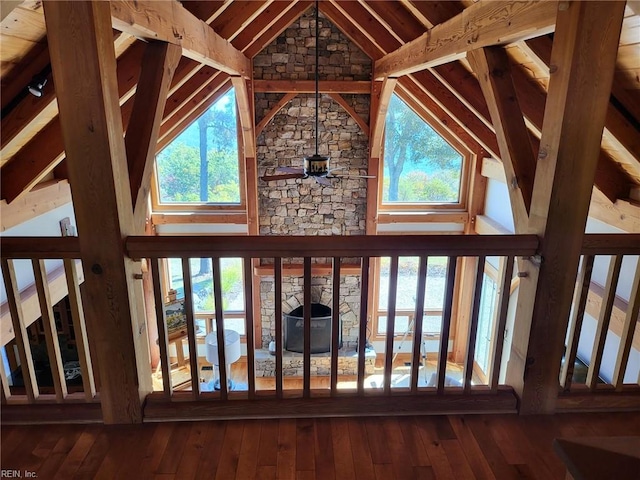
x: 384, y: 448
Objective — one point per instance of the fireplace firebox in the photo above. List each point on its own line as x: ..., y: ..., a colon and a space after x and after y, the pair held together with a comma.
x: 320, y: 329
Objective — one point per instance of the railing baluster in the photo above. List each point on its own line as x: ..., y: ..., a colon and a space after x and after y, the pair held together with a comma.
x: 80, y: 328
x: 418, y: 322
x: 391, y: 324
x: 628, y: 330
x: 161, y: 321
x: 248, y: 329
x: 335, y: 325
x: 191, y: 328
x: 503, y: 302
x: 306, y: 379
x: 50, y: 330
x: 19, y: 330
x: 575, y: 322
x: 446, y: 322
x: 362, y: 334
x: 277, y: 279
x: 222, y: 353
x: 603, y: 321
x: 473, y: 327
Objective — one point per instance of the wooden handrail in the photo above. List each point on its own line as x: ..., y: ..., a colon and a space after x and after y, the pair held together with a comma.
x: 40, y: 247
x: 329, y: 246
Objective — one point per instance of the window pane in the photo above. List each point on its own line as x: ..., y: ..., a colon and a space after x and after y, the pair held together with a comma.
x: 419, y: 165
x: 188, y: 173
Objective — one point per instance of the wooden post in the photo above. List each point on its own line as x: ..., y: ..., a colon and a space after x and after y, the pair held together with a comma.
x: 83, y: 61
x: 582, y: 63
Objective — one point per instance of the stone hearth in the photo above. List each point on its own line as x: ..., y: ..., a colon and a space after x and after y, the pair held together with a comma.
x: 320, y: 363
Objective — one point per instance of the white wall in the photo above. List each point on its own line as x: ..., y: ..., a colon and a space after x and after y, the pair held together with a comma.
x: 45, y: 225
x: 497, y: 207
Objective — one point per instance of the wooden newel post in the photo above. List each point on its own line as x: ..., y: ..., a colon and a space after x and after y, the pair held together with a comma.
x: 581, y: 72
x: 83, y: 61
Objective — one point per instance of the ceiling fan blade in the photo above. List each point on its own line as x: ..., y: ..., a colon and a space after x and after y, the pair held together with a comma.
x: 297, y: 170
x: 336, y: 169
x: 284, y: 176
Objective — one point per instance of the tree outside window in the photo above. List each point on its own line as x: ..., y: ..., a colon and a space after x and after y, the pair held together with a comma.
x: 419, y: 165
x: 201, y: 165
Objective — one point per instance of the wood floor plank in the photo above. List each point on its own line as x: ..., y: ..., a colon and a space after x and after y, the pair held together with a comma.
x: 384, y: 471
x: 92, y: 461
x: 79, y: 452
x: 248, y: 460
x: 214, y: 440
x: 433, y: 445
x: 268, y: 451
x: 230, y: 454
x: 193, y: 450
x: 305, y: 456
x: 400, y: 457
x: 68, y: 437
x: 460, y: 447
x: 323, y: 449
x: 343, y: 458
x: 161, y: 433
x: 377, y: 441
x: 360, y: 450
x: 286, y: 464
x: 413, y: 441
x: 458, y: 462
x: 175, y: 447
x: 482, y: 432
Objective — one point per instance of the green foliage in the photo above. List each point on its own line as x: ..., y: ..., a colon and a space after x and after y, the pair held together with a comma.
x: 179, y: 165
x: 431, y: 166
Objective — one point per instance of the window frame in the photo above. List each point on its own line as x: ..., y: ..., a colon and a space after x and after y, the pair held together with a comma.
x: 408, y: 207
x: 159, y: 207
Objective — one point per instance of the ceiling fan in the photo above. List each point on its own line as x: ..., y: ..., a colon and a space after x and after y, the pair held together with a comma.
x: 316, y: 165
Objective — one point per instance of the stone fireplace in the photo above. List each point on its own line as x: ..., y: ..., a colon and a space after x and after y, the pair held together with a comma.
x: 302, y: 206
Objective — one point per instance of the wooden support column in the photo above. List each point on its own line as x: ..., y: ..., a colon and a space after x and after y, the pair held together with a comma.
x: 582, y: 63
x: 83, y: 61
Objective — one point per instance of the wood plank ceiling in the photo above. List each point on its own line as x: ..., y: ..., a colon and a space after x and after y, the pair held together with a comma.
x: 31, y: 143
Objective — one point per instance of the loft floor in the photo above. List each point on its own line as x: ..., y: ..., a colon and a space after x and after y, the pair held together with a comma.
x: 454, y: 446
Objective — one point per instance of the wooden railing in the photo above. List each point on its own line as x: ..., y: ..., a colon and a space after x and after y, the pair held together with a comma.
x: 362, y: 397
x: 278, y: 250
x: 36, y: 302
x: 616, y: 319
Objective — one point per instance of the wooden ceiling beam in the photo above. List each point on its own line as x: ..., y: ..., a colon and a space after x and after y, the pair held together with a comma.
x: 339, y: 99
x: 309, y: 86
x: 378, y: 116
x: 413, y: 94
x: 495, y: 23
x: 240, y: 15
x: 42, y: 199
x: 335, y: 13
x: 269, y: 17
x: 158, y: 66
x: 171, y: 22
x: 626, y: 135
x: 491, y: 65
x: 433, y: 13
x: 267, y: 35
x: 208, y: 11
x: 244, y: 97
x: 444, y: 105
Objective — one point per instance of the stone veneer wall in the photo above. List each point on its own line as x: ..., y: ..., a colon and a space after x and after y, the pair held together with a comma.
x: 304, y: 207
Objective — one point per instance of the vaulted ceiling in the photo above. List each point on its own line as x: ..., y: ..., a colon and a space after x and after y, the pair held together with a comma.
x: 442, y: 81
